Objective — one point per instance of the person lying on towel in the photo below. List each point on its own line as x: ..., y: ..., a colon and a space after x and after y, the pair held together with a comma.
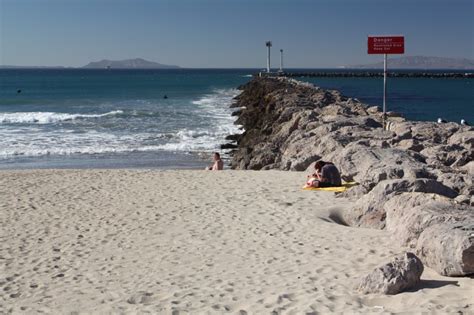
x: 326, y: 175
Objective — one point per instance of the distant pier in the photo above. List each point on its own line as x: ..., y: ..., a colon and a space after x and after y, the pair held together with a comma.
x: 367, y: 74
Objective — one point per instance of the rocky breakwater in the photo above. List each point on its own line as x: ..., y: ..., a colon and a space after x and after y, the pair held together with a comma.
x: 371, y: 74
x: 415, y: 179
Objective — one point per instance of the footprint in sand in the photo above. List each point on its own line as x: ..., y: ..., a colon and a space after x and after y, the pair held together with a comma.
x: 141, y: 298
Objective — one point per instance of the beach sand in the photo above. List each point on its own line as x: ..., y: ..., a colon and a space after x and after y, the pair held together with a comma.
x: 98, y: 241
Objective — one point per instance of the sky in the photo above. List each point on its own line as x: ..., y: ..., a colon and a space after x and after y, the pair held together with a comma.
x: 228, y: 33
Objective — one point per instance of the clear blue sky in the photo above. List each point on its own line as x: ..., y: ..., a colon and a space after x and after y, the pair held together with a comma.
x: 228, y: 33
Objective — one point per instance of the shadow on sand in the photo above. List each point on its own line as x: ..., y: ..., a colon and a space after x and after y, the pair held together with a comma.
x: 336, y: 216
x: 433, y: 284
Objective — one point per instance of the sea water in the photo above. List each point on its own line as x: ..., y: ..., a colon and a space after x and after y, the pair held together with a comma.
x: 75, y: 118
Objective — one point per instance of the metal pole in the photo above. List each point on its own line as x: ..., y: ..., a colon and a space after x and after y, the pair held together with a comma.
x: 281, y: 60
x: 268, y: 59
x: 384, y: 119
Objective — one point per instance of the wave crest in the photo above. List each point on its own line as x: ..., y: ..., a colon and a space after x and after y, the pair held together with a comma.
x: 47, y: 117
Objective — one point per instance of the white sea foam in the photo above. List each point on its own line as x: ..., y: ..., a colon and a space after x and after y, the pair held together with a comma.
x: 47, y: 117
x: 63, y: 142
x: 76, y: 150
x: 27, y: 134
x: 215, y: 109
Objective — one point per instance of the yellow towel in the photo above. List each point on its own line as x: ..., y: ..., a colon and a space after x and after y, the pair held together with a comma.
x: 342, y: 188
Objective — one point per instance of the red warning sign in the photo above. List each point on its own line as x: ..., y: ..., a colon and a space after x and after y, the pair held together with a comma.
x: 386, y: 44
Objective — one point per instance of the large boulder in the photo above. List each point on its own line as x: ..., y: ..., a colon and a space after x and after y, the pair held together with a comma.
x: 440, y: 230
x: 300, y: 153
x: 368, y: 211
x: 430, y: 131
x: 468, y: 168
x: 263, y: 155
x: 369, y: 165
x: 464, y: 200
x: 401, y: 274
x: 353, y: 193
x: 410, y: 144
x: 305, y: 146
x: 447, y: 155
x: 409, y: 214
x: 448, y: 248
x: 458, y: 181
x: 464, y: 138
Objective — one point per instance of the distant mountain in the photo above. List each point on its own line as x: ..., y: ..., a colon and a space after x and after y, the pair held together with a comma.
x: 137, y: 63
x: 421, y: 62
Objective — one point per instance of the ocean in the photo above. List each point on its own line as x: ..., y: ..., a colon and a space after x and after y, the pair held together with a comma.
x: 75, y: 118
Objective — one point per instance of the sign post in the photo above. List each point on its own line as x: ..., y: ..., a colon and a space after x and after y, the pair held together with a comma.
x: 385, y: 44
x: 384, y: 90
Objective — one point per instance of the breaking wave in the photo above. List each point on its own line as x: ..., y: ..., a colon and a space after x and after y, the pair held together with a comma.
x: 207, y: 122
x: 47, y: 117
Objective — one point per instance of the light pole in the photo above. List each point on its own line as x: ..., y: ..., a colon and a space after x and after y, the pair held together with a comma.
x: 268, y: 44
x: 281, y: 60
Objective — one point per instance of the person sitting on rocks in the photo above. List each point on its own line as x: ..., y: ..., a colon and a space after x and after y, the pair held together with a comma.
x: 218, y: 164
x: 326, y: 175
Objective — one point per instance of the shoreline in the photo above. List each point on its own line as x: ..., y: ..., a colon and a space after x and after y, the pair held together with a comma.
x: 126, y: 160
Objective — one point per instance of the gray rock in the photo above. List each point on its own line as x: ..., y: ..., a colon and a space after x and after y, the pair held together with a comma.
x: 448, y: 248
x: 299, y: 154
x: 264, y: 157
x: 393, y: 114
x: 354, y: 192
x: 410, y: 144
x: 461, y: 183
x: 369, y: 210
x: 469, y: 168
x: 409, y: 214
x: 402, y: 136
x: 302, y: 162
x: 399, y: 275
x: 432, y: 131
x: 373, y: 110
x: 463, y: 199
x: 447, y: 155
x: 367, y: 164
x: 464, y: 138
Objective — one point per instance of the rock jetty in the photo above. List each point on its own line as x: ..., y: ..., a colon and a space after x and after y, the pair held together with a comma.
x: 372, y: 74
x: 415, y: 178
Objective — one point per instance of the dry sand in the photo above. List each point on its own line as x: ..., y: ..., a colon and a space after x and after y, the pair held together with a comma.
x: 128, y: 241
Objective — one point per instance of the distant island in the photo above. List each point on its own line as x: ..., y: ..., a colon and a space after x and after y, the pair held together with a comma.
x: 421, y: 63
x: 137, y: 63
